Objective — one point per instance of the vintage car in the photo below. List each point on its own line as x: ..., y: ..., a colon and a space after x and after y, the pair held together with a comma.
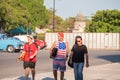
x: 10, y: 44
x: 40, y: 43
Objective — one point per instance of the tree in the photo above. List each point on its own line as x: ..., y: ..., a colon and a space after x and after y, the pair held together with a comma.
x: 39, y: 16
x: 69, y: 24
x: 58, y: 27
x: 14, y: 13
x: 105, y: 21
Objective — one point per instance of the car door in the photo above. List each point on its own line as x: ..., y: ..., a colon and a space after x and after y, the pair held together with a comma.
x: 2, y: 44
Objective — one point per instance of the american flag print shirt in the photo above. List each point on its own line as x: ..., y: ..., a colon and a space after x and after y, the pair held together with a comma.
x: 61, y: 54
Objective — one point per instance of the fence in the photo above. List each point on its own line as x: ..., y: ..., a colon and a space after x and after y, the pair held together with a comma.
x: 91, y: 40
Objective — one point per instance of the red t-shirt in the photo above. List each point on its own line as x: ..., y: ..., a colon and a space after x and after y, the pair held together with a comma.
x: 30, y: 50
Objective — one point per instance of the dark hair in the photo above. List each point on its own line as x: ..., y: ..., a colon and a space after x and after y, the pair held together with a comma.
x: 76, y: 39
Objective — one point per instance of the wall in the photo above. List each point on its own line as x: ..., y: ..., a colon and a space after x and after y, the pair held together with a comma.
x: 91, y: 40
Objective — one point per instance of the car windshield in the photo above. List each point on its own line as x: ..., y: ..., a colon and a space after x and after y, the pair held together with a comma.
x: 4, y: 36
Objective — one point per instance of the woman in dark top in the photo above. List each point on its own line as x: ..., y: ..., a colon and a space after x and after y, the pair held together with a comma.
x: 78, y: 53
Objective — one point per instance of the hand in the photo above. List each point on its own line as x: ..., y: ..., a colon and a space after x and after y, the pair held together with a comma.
x: 51, y: 56
x: 17, y: 60
x: 66, y: 58
x: 87, y: 65
x: 31, y: 57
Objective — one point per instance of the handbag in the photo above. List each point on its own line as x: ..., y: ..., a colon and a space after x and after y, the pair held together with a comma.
x: 54, y: 52
x: 70, y: 64
x: 22, y: 56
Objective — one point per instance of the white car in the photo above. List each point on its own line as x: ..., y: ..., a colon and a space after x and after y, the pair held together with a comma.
x: 22, y: 38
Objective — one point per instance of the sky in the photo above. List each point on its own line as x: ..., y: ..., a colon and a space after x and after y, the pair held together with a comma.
x: 70, y: 8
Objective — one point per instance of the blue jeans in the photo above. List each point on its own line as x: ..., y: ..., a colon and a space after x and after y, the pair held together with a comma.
x: 78, y: 70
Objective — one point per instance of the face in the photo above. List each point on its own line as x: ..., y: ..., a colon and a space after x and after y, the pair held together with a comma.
x: 79, y: 41
x: 60, y: 38
x: 29, y: 39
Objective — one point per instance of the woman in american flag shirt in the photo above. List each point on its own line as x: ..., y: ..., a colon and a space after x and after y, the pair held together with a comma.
x: 59, y: 62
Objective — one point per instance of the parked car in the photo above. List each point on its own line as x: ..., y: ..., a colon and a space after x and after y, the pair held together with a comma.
x: 10, y: 44
x: 23, y: 38
x: 40, y: 43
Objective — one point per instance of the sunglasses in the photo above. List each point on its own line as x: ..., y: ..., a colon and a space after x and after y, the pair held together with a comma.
x: 78, y: 41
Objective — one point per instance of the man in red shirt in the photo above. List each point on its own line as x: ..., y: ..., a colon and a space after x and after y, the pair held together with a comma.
x: 31, y: 51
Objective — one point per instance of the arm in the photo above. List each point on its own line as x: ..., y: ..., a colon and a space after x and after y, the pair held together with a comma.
x: 21, y: 57
x: 23, y: 52
x: 71, y: 55
x: 36, y: 52
x: 67, y: 49
x: 53, y: 45
x: 87, y: 60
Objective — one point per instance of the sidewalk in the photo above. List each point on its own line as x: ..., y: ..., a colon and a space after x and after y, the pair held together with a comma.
x: 100, y: 72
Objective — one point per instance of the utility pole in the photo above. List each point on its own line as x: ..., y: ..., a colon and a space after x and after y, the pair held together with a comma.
x: 53, y: 15
x: 28, y: 27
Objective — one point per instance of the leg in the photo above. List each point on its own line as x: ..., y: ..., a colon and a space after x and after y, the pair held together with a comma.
x: 62, y: 69
x: 26, y: 73
x: 55, y: 74
x: 61, y: 75
x: 33, y: 73
x: 55, y: 68
x: 80, y: 71
x: 76, y: 71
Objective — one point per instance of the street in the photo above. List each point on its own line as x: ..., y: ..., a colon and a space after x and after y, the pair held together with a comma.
x: 9, y: 67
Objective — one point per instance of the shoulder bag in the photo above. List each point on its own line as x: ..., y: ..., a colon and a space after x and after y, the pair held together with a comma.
x: 54, y: 52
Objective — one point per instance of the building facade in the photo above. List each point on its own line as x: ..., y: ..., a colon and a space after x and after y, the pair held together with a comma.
x: 80, y: 23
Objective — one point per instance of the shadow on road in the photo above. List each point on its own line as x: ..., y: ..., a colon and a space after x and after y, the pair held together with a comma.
x: 48, y: 78
x: 23, y: 78
x: 111, y: 58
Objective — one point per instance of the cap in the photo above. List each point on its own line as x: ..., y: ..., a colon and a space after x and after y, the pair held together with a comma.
x: 61, y: 34
x: 30, y: 36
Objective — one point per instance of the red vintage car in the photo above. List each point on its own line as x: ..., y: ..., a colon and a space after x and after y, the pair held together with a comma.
x: 41, y: 44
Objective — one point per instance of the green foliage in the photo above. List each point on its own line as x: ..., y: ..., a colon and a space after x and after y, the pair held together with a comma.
x: 105, y: 21
x: 32, y: 13
x: 65, y: 25
x: 14, y: 13
x: 58, y: 27
x: 41, y: 36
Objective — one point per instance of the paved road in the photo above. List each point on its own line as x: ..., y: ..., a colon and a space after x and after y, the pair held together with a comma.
x: 9, y: 68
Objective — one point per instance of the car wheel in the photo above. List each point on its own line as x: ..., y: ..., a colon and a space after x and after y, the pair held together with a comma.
x: 10, y: 49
